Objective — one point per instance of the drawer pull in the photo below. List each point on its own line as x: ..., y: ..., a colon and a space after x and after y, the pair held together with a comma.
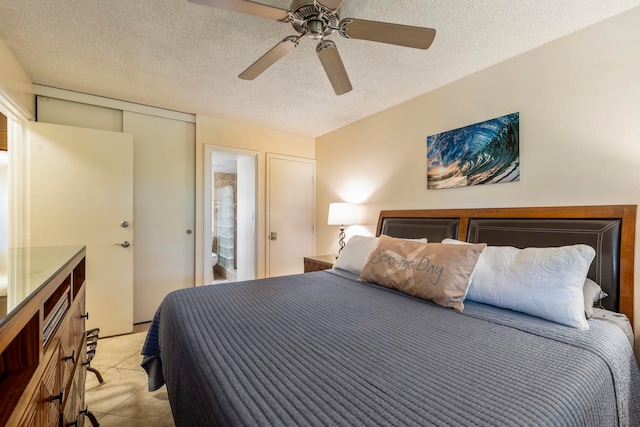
x: 72, y: 357
x: 72, y: 423
x: 57, y: 397
x: 84, y: 316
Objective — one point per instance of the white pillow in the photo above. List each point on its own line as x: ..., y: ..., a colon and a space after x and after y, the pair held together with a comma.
x: 544, y: 282
x: 592, y: 293
x: 356, y: 252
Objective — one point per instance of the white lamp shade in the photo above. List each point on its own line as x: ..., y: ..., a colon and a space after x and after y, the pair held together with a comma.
x: 343, y: 214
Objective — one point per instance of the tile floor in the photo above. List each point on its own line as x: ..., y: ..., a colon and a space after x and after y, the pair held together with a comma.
x: 123, y: 398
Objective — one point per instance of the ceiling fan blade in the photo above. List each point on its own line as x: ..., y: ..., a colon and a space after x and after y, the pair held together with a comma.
x: 331, y: 4
x: 333, y: 66
x: 270, y: 58
x: 384, y: 32
x: 246, y: 6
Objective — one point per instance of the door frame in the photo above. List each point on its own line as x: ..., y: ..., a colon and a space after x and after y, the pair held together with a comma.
x: 17, y: 120
x: 209, y: 149
x: 270, y: 156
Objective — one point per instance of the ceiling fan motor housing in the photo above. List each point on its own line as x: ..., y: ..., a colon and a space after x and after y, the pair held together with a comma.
x: 311, y: 21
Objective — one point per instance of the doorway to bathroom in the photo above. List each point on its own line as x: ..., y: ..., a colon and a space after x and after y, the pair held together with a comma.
x: 230, y: 221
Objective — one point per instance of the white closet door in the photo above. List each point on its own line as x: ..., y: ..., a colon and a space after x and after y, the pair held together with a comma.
x: 81, y: 189
x: 290, y: 213
x: 164, y: 178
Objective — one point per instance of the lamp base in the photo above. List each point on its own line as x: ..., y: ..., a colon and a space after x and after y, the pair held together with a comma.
x: 341, y: 237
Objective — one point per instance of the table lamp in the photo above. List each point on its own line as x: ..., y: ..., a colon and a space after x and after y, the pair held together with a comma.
x: 342, y: 214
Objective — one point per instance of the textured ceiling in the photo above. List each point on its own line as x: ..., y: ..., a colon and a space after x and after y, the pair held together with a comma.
x: 186, y: 57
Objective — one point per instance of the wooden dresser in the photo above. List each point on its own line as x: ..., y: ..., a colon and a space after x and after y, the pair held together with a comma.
x: 42, y: 336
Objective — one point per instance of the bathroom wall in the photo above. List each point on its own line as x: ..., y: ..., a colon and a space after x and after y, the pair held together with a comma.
x: 220, y: 181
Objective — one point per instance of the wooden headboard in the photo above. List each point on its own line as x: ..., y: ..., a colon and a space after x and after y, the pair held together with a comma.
x: 610, y: 230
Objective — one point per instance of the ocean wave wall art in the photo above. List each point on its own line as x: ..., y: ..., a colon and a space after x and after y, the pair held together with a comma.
x: 484, y: 153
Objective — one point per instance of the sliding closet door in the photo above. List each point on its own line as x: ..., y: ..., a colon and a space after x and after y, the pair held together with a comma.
x: 164, y: 178
x: 80, y: 191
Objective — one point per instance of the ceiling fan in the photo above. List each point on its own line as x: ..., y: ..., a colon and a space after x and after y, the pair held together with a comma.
x: 317, y: 19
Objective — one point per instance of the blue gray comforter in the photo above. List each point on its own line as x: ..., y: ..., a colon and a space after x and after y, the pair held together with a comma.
x: 321, y: 349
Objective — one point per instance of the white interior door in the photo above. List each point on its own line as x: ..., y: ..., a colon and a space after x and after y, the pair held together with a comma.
x: 164, y: 179
x: 81, y: 190
x: 246, y: 212
x: 290, y: 213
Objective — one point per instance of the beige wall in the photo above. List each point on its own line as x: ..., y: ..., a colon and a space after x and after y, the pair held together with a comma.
x: 227, y: 133
x: 579, y: 104
x: 15, y: 82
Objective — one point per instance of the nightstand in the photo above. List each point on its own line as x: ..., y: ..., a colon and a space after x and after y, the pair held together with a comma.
x: 317, y: 263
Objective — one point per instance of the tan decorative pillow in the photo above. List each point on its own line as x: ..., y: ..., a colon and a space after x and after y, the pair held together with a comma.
x: 432, y: 271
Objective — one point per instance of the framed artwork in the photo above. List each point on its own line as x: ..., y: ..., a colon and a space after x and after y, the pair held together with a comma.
x: 483, y: 153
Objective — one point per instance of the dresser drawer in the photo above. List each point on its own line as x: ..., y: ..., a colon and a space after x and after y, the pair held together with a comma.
x: 51, y: 390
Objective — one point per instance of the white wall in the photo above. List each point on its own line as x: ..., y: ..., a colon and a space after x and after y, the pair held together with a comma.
x: 579, y: 104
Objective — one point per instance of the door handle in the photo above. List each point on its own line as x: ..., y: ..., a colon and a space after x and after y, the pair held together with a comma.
x: 124, y: 244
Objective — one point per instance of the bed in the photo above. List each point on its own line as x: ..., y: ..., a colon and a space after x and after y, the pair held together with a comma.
x: 325, y: 348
